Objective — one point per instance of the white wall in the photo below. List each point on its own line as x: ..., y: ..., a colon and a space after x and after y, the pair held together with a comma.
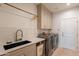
x: 12, y: 19
x: 69, y: 13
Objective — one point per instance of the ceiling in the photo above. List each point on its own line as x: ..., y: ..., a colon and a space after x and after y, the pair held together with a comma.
x: 55, y: 7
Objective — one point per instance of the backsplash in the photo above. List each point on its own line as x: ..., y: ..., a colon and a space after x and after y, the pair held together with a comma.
x: 8, y: 34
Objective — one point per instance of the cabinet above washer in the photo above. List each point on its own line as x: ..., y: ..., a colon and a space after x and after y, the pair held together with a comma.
x: 44, y: 17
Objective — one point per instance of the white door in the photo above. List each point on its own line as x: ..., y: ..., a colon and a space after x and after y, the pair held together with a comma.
x: 68, y: 33
x: 78, y: 34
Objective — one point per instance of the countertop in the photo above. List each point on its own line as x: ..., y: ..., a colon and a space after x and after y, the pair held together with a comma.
x: 34, y: 40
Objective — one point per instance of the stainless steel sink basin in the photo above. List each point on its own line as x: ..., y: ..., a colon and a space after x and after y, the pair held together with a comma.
x: 9, y: 46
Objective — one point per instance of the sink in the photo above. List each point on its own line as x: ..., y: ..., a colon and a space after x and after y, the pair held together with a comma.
x: 12, y: 45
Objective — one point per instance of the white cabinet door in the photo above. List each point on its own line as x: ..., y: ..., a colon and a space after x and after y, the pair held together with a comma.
x: 30, y: 50
x: 45, y: 18
x: 68, y: 33
x: 18, y: 52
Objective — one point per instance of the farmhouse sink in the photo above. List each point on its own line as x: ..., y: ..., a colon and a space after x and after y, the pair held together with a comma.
x: 12, y: 45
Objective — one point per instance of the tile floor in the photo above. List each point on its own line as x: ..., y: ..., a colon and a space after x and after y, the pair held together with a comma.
x: 65, y: 52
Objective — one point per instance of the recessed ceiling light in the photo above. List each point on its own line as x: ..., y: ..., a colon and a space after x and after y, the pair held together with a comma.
x: 68, y: 4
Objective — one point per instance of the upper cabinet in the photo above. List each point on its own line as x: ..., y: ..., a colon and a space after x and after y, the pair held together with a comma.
x: 44, y: 17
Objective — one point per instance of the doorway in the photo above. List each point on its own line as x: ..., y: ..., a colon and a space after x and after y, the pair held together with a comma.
x: 69, y: 33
